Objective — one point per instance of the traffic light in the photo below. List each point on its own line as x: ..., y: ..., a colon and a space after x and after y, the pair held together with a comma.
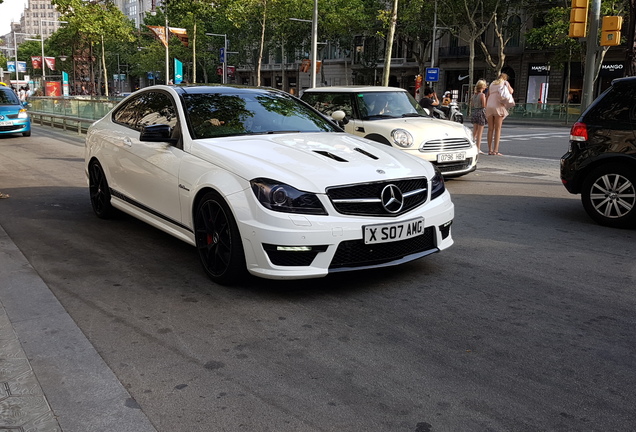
x: 578, y: 18
x: 611, y: 30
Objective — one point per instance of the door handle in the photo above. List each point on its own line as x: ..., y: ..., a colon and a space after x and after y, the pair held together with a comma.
x: 360, y: 129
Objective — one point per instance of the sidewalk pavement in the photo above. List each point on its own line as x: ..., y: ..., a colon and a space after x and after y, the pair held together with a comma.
x: 51, y: 378
x: 520, y: 166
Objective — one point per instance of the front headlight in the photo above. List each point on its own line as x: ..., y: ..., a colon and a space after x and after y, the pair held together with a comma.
x: 402, y: 138
x: 437, y: 184
x: 281, y: 197
x: 469, y: 133
x: 23, y: 114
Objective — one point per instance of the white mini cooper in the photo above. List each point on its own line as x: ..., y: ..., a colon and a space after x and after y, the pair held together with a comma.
x: 393, y: 117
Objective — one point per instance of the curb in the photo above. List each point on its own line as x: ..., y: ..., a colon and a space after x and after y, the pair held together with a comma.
x: 53, y: 379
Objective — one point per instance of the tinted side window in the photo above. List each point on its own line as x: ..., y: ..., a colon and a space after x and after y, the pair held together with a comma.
x: 327, y: 103
x: 148, y: 108
x: 615, y: 107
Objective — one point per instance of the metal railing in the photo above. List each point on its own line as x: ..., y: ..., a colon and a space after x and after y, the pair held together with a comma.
x: 79, y: 112
x: 532, y: 113
x: 74, y: 113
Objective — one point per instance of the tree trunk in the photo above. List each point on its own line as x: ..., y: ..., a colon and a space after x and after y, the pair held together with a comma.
x: 194, y: 53
x: 389, y: 46
x: 262, y: 47
x: 104, y: 68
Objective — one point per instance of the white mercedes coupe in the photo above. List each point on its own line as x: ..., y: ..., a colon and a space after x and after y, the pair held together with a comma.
x: 261, y: 183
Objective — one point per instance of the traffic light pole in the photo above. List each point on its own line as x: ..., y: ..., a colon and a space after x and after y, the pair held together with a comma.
x: 591, y: 54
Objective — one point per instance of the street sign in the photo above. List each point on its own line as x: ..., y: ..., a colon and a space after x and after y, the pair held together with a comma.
x: 222, y: 55
x: 432, y: 74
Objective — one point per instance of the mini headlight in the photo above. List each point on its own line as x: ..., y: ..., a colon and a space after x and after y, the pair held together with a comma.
x: 402, y: 138
x: 281, y: 197
x: 23, y: 114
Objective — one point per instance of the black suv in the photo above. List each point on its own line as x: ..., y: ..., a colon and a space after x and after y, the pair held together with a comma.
x: 601, y: 161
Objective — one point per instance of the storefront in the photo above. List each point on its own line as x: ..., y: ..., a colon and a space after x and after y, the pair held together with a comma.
x: 538, y: 83
x: 610, y: 70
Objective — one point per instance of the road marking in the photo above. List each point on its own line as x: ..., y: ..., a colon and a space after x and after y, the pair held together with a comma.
x: 530, y: 137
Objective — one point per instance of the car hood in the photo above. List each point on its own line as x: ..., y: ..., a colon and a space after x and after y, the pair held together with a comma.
x: 422, y: 128
x: 9, y: 109
x: 310, y: 161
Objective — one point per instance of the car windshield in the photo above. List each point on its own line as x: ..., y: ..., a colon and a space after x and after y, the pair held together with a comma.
x: 8, y: 97
x: 213, y: 115
x: 374, y: 105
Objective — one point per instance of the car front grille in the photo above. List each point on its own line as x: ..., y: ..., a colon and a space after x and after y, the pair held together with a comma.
x: 444, y: 145
x: 11, y: 128
x: 365, y: 199
x: 454, y: 166
x: 355, y: 253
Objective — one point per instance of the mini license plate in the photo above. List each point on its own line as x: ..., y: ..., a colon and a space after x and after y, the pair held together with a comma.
x: 6, y: 123
x: 451, y: 157
x: 385, y: 233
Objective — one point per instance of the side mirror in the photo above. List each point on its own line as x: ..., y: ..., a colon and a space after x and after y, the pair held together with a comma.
x: 157, y: 133
x: 340, y: 117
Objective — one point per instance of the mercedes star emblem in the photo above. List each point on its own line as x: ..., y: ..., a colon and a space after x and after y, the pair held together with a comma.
x: 392, y: 198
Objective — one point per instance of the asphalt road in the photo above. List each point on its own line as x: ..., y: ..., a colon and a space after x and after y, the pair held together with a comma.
x: 525, y: 324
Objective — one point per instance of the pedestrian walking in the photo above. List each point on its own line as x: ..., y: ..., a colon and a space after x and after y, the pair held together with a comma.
x: 478, y: 112
x: 498, y: 101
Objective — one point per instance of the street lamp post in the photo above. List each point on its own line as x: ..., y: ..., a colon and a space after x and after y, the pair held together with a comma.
x: 42, y: 43
x: 314, y: 41
x: 225, y: 53
x: 15, y: 51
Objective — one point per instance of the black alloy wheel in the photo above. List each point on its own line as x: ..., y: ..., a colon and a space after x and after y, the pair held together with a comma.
x: 609, y: 195
x: 218, y: 241
x: 99, y: 191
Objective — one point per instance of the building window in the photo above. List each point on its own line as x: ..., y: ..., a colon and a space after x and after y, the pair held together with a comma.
x: 514, y: 31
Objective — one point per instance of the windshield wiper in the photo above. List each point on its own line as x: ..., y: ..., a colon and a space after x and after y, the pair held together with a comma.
x: 412, y: 115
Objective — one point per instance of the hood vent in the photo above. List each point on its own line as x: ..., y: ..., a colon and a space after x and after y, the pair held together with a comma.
x: 366, y: 153
x: 331, y: 155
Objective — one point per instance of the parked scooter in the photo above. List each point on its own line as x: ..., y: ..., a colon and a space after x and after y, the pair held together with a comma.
x: 449, y: 112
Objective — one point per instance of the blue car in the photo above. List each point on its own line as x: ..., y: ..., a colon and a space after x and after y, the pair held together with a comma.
x: 13, y: 114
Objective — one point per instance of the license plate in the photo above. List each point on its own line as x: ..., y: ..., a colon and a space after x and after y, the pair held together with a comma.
x: 385, y: 233
x: 6, y: 123
x: 451, y: 157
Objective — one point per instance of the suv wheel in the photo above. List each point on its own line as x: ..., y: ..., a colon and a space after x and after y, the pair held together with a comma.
x: 609, y: 195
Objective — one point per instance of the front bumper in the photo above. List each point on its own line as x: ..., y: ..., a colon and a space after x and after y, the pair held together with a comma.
x: 18, y: 126
x: 289, y: 246
x: 451, y: 168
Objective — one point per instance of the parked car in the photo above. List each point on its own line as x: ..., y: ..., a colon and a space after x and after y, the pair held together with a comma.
x: 392, y: 116
x: 261, y: 183
x: 14, y: 118
x: 601, y: 161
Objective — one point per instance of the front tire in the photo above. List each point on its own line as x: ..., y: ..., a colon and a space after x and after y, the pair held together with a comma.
x: 26, y: 134
x: 218, y: 241
x: 609, y: 195
x: 99, y: 191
